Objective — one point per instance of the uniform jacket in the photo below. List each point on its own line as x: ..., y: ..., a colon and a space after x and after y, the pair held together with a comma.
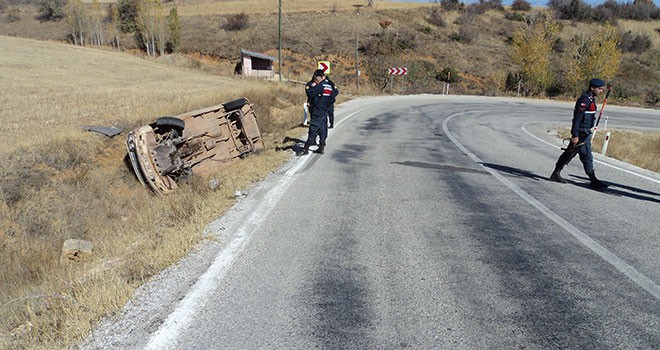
x: 320, y: 97
x: 584, y: 115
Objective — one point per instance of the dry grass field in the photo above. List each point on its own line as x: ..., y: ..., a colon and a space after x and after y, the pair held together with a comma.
x: 59, y: 182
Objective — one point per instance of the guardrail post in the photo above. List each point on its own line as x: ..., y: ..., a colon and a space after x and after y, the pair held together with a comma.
x: 605, y: 142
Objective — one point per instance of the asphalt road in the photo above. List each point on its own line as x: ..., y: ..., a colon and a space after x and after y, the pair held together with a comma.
x: 428, y: 224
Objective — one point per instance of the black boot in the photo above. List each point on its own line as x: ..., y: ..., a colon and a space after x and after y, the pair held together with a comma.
x: 556, y: 176
x: 303, y: 152
x: 321, y: 149
x: 595, y: 183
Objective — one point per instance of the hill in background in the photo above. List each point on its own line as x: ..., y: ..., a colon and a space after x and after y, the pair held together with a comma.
x: 423, y: 37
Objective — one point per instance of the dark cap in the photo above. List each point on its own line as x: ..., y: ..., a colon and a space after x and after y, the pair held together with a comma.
x: 596, y: 83
x: 319, y: 73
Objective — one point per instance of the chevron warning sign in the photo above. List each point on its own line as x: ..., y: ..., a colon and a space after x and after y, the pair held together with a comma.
x: 398, y: 70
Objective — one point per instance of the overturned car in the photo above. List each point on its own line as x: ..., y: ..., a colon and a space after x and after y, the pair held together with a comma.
x: 199, y: 142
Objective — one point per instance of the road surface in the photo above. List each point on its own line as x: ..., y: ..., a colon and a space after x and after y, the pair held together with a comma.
x: 429, y: 223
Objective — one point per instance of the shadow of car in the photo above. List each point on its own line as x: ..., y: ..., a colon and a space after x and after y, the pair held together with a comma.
x: 200, y: 142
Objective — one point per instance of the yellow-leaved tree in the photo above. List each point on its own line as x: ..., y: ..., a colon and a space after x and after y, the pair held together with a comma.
x: 532, y: 48
x: 595, y: 56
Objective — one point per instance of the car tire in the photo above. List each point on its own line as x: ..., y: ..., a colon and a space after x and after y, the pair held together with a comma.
x: 236, y: 104
x: 172, y: 122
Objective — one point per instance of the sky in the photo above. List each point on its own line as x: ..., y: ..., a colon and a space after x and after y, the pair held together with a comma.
x: 535, y: 2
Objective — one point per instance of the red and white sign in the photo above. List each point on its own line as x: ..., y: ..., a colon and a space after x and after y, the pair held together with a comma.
x: 325, y: 66
x: 398, y: 70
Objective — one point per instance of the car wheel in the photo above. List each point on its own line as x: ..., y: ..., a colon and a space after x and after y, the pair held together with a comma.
x: 236, y: 104
x: 172, y: 122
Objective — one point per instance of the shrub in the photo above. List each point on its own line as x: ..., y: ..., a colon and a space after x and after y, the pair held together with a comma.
x: 236, y: 22
x: 639, y: 11
x: 559, y: 45
x: 521, y: 5
x: 448, y: 75
x: 652, y: 99
x: 515, y: 16
x: 512, y: 81
x: 603, y: 14
x: 435, y: 18
x: 452, y: 5
x: 570, y: 9
x: 13, y: 15
x: 51, y: 10
x: 639, y: 43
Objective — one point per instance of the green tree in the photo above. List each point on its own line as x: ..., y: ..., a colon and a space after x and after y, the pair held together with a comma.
x: 175, y: 30
x: 532, y: 49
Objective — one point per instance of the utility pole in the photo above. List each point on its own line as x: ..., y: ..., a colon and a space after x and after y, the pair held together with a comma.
x: 357, y: 66
x: 279, y: 55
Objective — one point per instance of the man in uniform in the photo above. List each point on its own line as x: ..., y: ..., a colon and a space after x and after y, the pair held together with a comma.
x: 319, y: 95
x: 584, y: 118
x: 331, y: 110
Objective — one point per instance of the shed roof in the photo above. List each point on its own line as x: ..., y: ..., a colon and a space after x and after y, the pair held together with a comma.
x: 258, y: 55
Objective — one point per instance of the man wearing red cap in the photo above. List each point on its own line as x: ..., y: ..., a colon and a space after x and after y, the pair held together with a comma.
x: 584, y: 118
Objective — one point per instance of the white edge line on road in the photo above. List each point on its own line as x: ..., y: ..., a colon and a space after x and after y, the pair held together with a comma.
x: 640, y: 279
x: 167, y: 333
x: 595, y: 160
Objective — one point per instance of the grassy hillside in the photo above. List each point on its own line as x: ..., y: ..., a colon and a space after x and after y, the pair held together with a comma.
x: 476, y: 48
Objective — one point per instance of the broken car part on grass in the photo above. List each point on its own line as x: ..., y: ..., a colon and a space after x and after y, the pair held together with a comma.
x: 200, y: 142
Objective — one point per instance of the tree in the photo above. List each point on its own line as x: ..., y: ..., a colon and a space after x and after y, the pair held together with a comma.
x: 175, y: 30
x: 96, y: 24
x: 75, y: 18
x: 596, y: 56
x: 532, y: 47
x: 115, y: 25
x: 151, y: 27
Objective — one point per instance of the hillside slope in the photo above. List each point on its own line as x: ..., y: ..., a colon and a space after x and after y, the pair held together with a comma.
x: 476, y: 48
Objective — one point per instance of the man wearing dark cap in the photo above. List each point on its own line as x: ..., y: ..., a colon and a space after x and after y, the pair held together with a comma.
x: 319, y: 93
x: 584, y: 118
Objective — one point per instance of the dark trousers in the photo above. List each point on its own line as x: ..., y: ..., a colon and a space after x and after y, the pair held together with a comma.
x: 331, y: 114
x: 583, y: 148
x: 318, y: 126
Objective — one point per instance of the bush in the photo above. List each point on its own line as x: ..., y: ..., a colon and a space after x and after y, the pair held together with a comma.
x: 521, y: 5
x: 51, y: 10
x: 559, y: 45
x: 639, y: 43
x: 515, y: 16
x: 652, y: 99
x: 639, y: 11
x: 236, y: 22
x: 602, y: 14
x: 435, y: 18
x: 13, y: 15
x: 448, y: 75
x: 570, y: 9
x: 512, y: 81
x: 452, y: 5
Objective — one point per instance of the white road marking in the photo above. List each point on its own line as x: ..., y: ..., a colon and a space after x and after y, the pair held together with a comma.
x: 165, y: 337
x: 618, y: 263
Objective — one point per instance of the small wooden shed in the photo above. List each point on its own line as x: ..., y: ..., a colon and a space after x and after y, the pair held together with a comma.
x: 257, y: 65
